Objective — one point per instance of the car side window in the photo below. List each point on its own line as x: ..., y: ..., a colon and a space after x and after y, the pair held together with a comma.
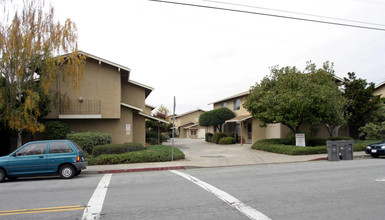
x: 32, y: 149
x: 57, y: 147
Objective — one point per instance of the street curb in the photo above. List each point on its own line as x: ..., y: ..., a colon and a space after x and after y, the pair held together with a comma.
x: 141, y: 169
x: 354, y: 157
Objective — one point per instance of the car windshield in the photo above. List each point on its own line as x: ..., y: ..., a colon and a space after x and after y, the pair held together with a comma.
x: 77, y: 146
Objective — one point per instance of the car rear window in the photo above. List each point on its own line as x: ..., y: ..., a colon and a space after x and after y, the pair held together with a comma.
x: 77, y: 146
x: 57, y: 147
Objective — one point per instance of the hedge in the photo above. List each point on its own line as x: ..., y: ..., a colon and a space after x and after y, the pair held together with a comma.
x: 87, y: 140
x: 278, y: 146
x: 154, y: 153
x: 227, y: 140
x: 116, y: 148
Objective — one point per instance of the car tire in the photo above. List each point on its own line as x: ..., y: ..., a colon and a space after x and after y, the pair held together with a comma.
x: 375, y: 155
x: 2, y: 175
x: 67, y: 171
x: 78, y: 172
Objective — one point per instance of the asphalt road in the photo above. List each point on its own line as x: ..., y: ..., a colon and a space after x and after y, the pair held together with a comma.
x: 307, y: 190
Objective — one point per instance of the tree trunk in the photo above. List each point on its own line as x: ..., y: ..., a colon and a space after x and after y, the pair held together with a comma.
x: 19, y: 138
x: 333, y: 129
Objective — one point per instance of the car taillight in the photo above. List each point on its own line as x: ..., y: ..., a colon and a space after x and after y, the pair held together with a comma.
x: 78, y: 158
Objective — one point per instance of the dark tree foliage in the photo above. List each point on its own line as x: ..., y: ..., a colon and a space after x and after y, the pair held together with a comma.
x: 215, y: 117
x: 362, y: 102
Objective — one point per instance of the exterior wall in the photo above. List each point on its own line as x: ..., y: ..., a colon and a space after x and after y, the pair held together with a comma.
x: 192, y: 117
x: 147, y: 110
x: 133, y: 95
x: 273, y: 131
x: 139, y: 129
x: 258, y: 131
x: 380, y: 91
x: 201, y: 133
x: 100, y: 82
x: 182, y: 132
x: 230, y: 105
x: 114, y: 127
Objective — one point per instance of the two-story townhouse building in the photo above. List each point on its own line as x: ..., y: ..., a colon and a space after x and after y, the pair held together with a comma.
x: 187, y: 124
x: 244, y: 124
x: 249, y: 128
x: 107, y: 101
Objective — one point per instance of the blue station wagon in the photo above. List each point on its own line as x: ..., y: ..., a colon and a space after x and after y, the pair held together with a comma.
x: 49, y: 157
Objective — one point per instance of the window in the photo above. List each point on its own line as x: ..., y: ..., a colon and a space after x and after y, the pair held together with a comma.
x: 237, y: 104
x: 193, y: 132
x: 224, y: 104
x: 32, y: 149
x: 58, y: 147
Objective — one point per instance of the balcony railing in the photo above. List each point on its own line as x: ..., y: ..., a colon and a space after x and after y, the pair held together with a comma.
x: 81, y: 107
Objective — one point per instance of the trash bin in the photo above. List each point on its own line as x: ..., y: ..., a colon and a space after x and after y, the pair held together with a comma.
x: 347, y: 150
x: 333, y: 151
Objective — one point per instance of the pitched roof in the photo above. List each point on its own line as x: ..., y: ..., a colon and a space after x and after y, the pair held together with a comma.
x: 232, y: 97
x: 379, y: 85
x: 105, y: 61
x: 187, y: 113
x: 119, y: 67
x: 239, y: 118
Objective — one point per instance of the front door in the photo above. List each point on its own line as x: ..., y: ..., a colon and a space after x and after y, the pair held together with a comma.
x: 249, y: 133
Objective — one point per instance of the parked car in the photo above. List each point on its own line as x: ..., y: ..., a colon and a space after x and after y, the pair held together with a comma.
x: 50, y: 157
x: 376, y: 149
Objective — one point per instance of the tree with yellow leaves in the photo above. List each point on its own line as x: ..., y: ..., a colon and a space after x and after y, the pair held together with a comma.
x: 32, y: 45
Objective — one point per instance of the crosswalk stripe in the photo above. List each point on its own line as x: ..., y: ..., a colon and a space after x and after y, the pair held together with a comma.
x: 229, y: 199
x: 95, y: 205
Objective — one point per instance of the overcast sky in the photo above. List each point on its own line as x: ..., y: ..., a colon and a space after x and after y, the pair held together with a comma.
x: 203, y: 55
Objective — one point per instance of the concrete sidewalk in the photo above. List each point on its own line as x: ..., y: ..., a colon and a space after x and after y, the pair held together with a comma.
x: 200, y: 154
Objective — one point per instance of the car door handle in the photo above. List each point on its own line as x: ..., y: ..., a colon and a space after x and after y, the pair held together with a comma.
x: 41, y: 156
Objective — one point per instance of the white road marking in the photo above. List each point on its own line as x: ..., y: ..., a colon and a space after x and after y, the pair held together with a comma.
x: 380, y: 180
x: 229, y: 199
x: 95, y: 205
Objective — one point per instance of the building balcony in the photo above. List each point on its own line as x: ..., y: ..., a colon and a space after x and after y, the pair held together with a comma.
x: 79, y: 109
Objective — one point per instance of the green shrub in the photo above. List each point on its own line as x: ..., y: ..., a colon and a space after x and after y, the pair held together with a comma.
x: 154, y: 153
x: 276, y: 146
x: 55, y: 130
x: 217, y: 136
x: 87, y: 140
x: 116, y: 148
x: 236, y: 137
x: 152, y: 141
x: 227, y: 140
x: 151, y: 136
x: 209, y: 137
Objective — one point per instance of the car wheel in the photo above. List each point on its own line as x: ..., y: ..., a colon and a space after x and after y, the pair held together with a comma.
x: 375, y: 155
x: 2, y: 175
x: 78, y: 172
x: 67, y: 171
